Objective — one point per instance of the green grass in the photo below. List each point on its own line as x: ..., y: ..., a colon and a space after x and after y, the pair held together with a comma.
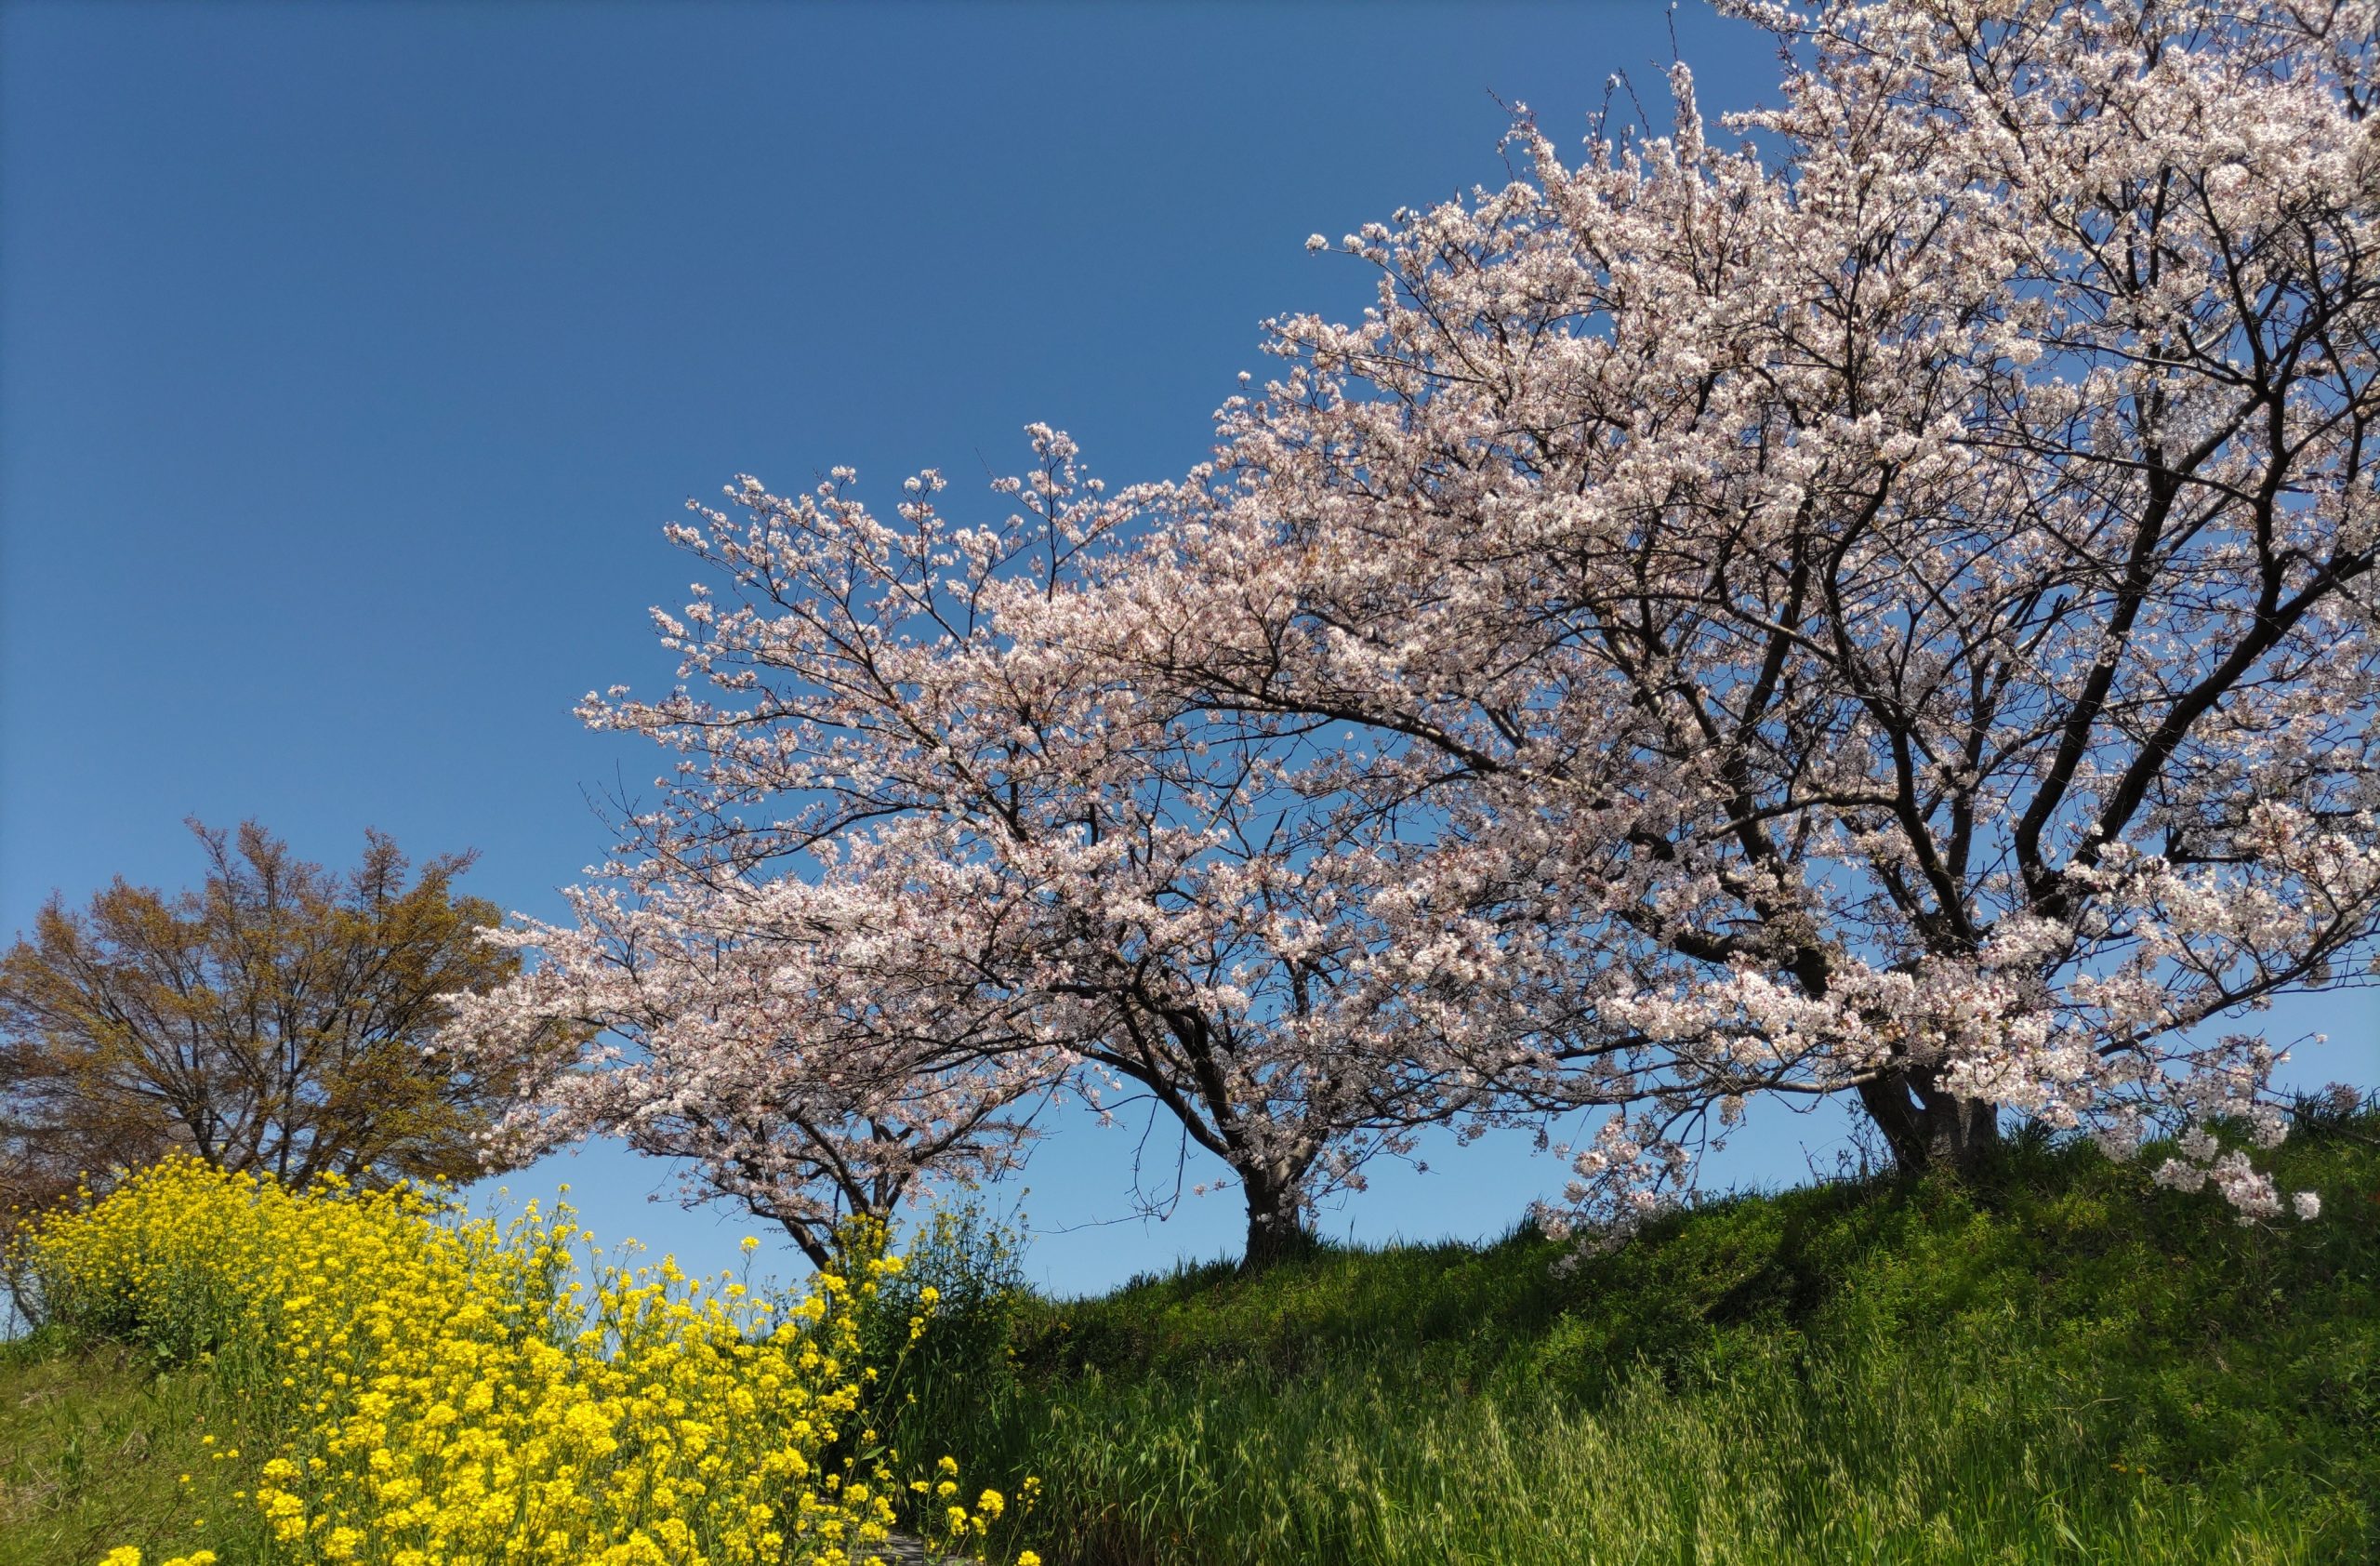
x: 2054, y: 1363
x: 94, y: 1442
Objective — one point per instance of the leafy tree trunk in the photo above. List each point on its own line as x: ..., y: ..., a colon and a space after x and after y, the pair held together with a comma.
x: 1927, y: 1128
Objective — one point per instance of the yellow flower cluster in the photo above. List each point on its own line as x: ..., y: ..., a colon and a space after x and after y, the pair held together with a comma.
x: 458, y: 1393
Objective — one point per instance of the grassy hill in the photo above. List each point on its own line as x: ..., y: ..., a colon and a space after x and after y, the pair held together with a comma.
x: 2055, y: 1363
x: 100, y: 1445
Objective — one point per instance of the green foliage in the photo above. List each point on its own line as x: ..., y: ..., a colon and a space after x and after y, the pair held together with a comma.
x: 962, y: 1280
x: 2053, y: 1361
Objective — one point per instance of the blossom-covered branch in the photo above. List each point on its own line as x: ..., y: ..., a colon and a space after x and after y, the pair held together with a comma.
x: 914, y: 846
x: 1884, y: 607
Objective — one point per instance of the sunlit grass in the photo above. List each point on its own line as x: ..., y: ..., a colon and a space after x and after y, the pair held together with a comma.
x: 94, y: 1441
x: 2057, y: 1363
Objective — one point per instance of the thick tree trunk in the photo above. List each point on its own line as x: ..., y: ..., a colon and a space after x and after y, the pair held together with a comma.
x: 1274, y: 1232
x: 1927, y: 1128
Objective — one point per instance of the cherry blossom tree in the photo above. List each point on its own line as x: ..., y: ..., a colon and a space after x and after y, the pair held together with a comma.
x: 919, y: 866
x: 755, y: 1035
x: 1878, y: 603
x: 1877, y: 606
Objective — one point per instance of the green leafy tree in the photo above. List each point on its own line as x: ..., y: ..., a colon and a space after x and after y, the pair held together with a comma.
x: 282, y: 1018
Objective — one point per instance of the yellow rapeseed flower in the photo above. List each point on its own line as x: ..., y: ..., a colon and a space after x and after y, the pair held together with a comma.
x: 455, y: 1393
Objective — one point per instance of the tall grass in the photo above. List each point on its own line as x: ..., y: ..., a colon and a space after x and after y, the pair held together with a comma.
x: 2057, y: 1363
x: 2053, y: 1363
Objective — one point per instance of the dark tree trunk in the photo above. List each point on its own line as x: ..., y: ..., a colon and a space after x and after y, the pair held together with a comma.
x: 1927, y: 1128
x: 1274, y: 1232
x: 812, y: 1245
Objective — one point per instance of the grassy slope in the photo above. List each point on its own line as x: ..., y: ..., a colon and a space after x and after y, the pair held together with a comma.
x: 94, y: 1445
x: 2058, y: 1363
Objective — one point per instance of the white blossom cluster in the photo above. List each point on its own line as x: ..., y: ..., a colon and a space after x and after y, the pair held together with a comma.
x: 1875, y: 601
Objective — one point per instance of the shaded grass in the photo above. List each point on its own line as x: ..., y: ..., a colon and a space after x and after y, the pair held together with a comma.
x: 2055, y: 1361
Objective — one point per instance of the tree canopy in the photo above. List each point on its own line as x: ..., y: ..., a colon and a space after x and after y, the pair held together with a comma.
x: 1878, y: 602
x: 280, y: 1018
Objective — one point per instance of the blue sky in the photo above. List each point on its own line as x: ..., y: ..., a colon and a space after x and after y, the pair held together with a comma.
x: 351, y: 359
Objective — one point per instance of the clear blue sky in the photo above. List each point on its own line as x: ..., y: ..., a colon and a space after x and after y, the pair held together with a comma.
x: 351, y: 358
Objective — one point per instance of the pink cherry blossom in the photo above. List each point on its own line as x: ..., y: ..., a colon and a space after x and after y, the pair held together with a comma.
x: 919, y: 867
x: 1877, y: 601
x: 1871, y: 597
